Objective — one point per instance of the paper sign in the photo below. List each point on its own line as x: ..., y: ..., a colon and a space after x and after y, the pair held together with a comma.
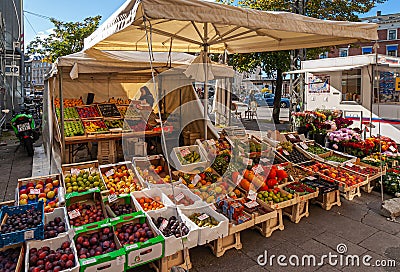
x: 349, y: 164
x: 291, y: 136
x: 304, y: 146
x: 74, y: 214
x: 120, y: 260
x: 311, y: 178
x: 251, y: 204
x: 247, y: 161
x: 179, y: 197
x: 28, y: 235
x: 184, y: 151
x: 203, y: 216
x: 112, y: 198
x: 163, y: 225
x: 252, y: 195
x: 392, y: 148
x: 75, y: 171
x: 196, y: 179
x: 110, y: 172
x: 132, y: 246
x: 89, y: 261
x: 258, y: 169
x: 34, y: 191
x: 285, y: 152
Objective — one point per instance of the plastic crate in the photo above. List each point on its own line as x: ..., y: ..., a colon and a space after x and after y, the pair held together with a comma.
x: 21, y: 235
x: 121, y: 199
x: 58, y: 212
x: 200, y: 166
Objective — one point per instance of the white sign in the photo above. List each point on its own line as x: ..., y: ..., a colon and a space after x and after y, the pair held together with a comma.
x: 304, y: 146
x: 203, y: 216
x: 285, y: 152
x: 179, y: 197
x: 196, y: 179
x: 75, y: 171
x: 28, y: 235
x: 392, y: 148
x: 110, y: 172
x: 34, y: 191
x: 258, y: 169
x: 184, y: 151
x: 112, y: 198
x: 74, y: 214
x: 251, y: 204
x: 349, y: 164
x: 163, y: 225
x: 252, y: 195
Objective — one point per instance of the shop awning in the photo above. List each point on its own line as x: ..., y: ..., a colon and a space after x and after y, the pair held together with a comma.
x: 326, y: 69
x: 190, y: 25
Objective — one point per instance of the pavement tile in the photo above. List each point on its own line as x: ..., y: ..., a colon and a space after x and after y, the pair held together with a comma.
x: 369, y: 266
x: 351, y: 210
x: 379, y: 222
x: 331, y: 240
x: 254, y: 243
x: 327, y: 268
x: 380, y: 242
x: 316, y: 248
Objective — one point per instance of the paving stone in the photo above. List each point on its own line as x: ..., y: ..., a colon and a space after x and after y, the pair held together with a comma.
x: 351, y: 210
x: 316, y: 248
x: 380, y: 242
x: 327, y: 268
x: 253, y: 242
x: 331, y: 240
x: 377, y: 221
x: 367, y: 265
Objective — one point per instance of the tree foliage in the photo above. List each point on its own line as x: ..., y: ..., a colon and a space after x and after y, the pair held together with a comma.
x: 66, y: 38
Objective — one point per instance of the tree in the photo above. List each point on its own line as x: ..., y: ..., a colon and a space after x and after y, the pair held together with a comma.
x: 66, y: 38
x: 280, y: 61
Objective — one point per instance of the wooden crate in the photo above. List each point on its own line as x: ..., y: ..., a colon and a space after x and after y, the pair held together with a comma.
x: 21, y: 258
x: 106, y: 152
x: 266, y: 228
x: 297, y: 211
x: 180, y: 259
x: 328, y: 200
x: 352, y: 193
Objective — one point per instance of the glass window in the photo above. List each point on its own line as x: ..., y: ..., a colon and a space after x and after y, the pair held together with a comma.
x: 351, y: 85
x: 343, y: 52
x: 391, y: 50
x: 367, y: 50
x: 323, y: 55
x: 392, y: 34
x: 387, y: 87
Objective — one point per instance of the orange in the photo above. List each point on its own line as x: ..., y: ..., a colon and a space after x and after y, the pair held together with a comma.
x: 141, y: 201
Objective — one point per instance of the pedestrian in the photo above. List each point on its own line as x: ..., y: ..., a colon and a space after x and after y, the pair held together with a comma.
x: 145, y: 95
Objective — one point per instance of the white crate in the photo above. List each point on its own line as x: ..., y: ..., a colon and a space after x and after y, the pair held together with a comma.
x: 184, y: 190
x: 58, y: 212
x: 202, y: 164
x: 173, y: 244
x: 54, y: 244
x: 207, y: 234
x: 151, y: 193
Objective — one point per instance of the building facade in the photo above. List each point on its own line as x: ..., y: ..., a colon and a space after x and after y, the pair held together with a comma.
x: 35, y: 70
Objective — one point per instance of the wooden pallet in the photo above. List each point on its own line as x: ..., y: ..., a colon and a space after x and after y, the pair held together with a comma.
x: 297, y: 211
x: 179, y: 259
x: 106, y: 152
x: 267, y: 227
x: 328, y: 200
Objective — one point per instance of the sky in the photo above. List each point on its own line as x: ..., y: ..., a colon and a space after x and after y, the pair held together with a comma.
x: 77, y: 10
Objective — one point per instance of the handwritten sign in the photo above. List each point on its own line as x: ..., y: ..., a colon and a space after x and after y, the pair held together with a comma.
x: 110, y: 172
x: 252, y: 195
x: 163, y: 225
x: 203, y: 216
x: 251, y: 204
x: 179, y: 197
x: 112, y: 198
x: 75, y: 171
x: 34, y: 191
x: 184, y: 151
x: 74, y: 214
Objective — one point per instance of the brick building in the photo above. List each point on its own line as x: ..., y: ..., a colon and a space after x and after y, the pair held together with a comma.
x: 389, y: 39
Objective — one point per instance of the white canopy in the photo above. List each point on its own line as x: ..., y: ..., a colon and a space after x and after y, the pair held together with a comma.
x: 190, y: 25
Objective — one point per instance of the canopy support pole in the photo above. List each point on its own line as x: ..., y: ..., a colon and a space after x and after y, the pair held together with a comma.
x: 205, y: 48
x: 60, y: 75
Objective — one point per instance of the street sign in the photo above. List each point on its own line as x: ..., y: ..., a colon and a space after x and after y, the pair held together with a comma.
x: 12, y: 70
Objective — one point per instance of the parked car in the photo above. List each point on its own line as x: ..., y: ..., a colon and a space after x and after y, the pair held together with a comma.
x: 259, y: 99
x: 269, y: 98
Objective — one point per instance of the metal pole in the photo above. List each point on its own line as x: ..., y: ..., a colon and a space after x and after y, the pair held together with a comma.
x: 205, y: 47
x: 60, y: 75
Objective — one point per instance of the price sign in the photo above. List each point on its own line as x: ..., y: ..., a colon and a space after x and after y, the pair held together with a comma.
x: 304, y: 146
x: 89, y: 261
x: 164, y: 224
x: 349, y: 164
x: 184, y: 151
x: 74, y: 214
x: 252, y: 195
x: 251, y: 204
x: 203, y: 216
x: 258, y: 169
x: 34, y: 191
x: 179, y: 197
x: 291, y: 136
x: 247, y: 161
x: 28, y: 235
x: 285, y: 152
x: 132, y: 246
x: 112, y: 198
x: 75, y: 171
x: 196, y: 179
x: 110, y: 172
x: 392, y: 148
x: 311, y: 178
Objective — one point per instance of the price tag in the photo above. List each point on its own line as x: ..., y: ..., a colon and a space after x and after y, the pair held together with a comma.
x: 392, y: 148
x: 75, y: 171
x: 258, y: 169
x: 291, y: 136
x: 163, y: 225
x: 179, y: 197
x: 247, y: 161
x: 196, y: 179
x: 251, y: 204
x: 349, y: 164
x: 184, y: 151
x: 28, y: 235
x: 112, y: 198
x: 304, y: 146
x: 203, y: 216
x: 110, y: 172
x: 311, y: 178
x: 74, y: 214
x: 132, y: 246
x: 34, y: 191
x: 89, y: 261
x: 252, y: 195
x: 285, y: 152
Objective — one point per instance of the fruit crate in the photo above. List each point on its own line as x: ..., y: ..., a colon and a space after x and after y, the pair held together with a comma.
x: 176, y: 153
x: 370, y: 177
x: 58, y: 212
x: 87, y: 198
x: 140, y: 253
x: 154, y: 194
x: 97, y: 122
x: 179, y: 259
x: 106, y: 151
x: 172, y: 243
x: 268, y: 222
x: 282, y: 204
x: 207, y: 234
x: 111, y: 171
x: 119, y: 200
x: 295, y: 157
x: 53, y: 244
x: 244, y: 146
x: 108, y: 110
x: 328, y: 200
x: 93, y: 112
x: 348, y: 158
x: 107, y: 262
x: 150, y: 164
x: 20, y: 236
x: 32, y: 189
x: 304, y: 148
x: 19, y: 264
x: 181, y: 194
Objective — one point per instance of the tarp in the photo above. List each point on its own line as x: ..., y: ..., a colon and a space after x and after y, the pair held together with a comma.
x: 188, y: 25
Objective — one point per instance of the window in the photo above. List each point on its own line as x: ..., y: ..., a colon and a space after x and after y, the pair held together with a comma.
x: 367, y: 50
x: 391, y: 50
x: 343, y: 52
x: 392, y: 34
x: 351, y: 85
x: 323, y: 55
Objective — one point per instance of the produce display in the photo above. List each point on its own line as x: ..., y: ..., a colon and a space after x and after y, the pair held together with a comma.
x: 190, y: 158
x: 136, y: 125
x: 88, y: 112
x: 316, y: 149
x: 171, y: 227
x: 73, y: 128
x: 122, y: 110
x: 69, y: 113
x: 20, y: 221
x: 120, y: 209
x: 45, y: 190
x: 119, y: 101
x: 148, y: 203
x: 95, y: 243
x: 293, y: 138
x: 375, y: 159
x: 185, y: 200
x: 134, y: 233
x: 81, y: 214
x: 221, y: 163
x: 364, y: 170
x: 53, y: 228
x: 83, y: 181
x: 120, y: 180
x: 391, y: 181
x: 68, y: 102
x: 132, y: 113
x: 95, y: 126
x: 287, y: 150
x: 9, y: 259
x: 46, y: 259
x: 203, y: 220
x: 299, y: 188
x: 335, y: 158
x: 109, y: 110
x: 324, y: 186
x: 274, y: 195
x: 115, y: 123
x: 154, y: 174
x: 296, y: 173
